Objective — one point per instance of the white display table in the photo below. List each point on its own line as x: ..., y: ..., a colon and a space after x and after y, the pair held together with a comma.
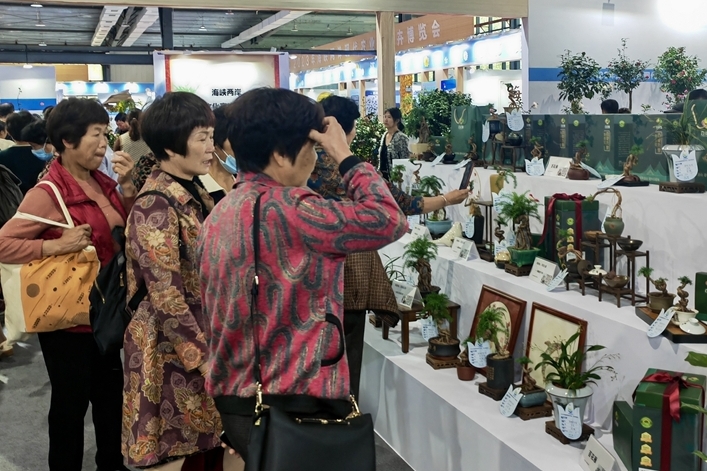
x: 672, y: 227
x: 437, y: 422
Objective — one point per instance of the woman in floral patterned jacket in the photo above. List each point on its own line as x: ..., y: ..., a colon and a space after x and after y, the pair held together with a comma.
x: 305, y: 239
x: 168, y: 419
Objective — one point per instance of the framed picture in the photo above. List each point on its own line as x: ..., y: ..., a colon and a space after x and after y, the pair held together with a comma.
x: 513, y: 311
x: 548, y: 328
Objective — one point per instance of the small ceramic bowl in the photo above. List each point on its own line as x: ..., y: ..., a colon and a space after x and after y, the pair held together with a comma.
x: 629, y: 245
x: 617, y: 282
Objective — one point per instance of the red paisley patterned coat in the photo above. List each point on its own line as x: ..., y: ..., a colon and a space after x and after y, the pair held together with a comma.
x: 304, y: 242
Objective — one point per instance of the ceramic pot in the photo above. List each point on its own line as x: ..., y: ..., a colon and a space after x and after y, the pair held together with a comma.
x: 514, y: 139
x: 577, y: 174
x: 435, y: 290
x: 559, y: 396
x: 534, y: 398
x: 614, y: 226
x: 685, y: 316
x: 629, y: 245
x: 657, y: 302
x: 443, y: 350
x: 668, y: 151
x: 500, y: 373
x: 466, y: 372
x: 439, y: 227
x: 521, y: 258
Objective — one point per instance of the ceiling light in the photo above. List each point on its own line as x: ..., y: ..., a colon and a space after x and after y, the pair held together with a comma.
x: 349, y: 33
x: 229, y: 13
x: 42, y: 44
x: 36, y: 5
x: 202, y: 27
x: 27, y: 66
x: 293, y: 56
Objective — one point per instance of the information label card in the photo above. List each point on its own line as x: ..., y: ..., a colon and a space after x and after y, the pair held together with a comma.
x: 465, y: 249
x: 660, y: 323
x: 570, y: 421
x: 421, y: 232
x: 406, y: 294
x: 557, y: 167
x: 510, y: 401
x: 543, y: 271
x: 478, y: 352
x: 595, y: 457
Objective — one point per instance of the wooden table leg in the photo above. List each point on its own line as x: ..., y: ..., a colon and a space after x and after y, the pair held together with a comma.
x: 405, y: 333
x: 385, y: 331
x: 454, y: 312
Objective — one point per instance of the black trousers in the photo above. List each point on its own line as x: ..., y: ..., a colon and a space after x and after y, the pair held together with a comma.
x: 354, y: 328
x: 79, y: 374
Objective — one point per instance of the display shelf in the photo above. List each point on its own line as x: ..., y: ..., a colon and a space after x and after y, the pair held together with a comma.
x: 673, y: 332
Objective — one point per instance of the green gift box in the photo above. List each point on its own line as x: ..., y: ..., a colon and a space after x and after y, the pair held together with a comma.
x: 622, y: 432
x: 649, y: 444
x: 563, y: 217
x: 701, y: 292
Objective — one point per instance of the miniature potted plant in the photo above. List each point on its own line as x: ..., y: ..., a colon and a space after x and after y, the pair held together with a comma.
x: 502, y: 177
x: 683, y: 312
x: 566, y: 382
x: 631, y: 162
x: 392, y: 270
x: 519, y: 208
x: 397, y: 175
x: 533, y: 395
x: 685, y: 132
x: 614, y: 223
x: 437, y: 222
x: 661, y: 299
x: 494, y: 328
x: 443, y: 345
x: 449, y: 155
x: 465, y: 370
x: 418, y: 255
x: 576, y: 171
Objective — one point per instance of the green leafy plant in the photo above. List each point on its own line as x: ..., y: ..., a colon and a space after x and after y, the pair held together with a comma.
x: 492, y: 326
x: 436, y: 308
x: 430, y: 186
x: 661, y: 284
x: 567, y: 365
x: 397, y: 175
x: 369, y: 132
x: 626, y: 74
x: 682, y: 294
x: 678, y: 74
x: 517, y: 205
x: 436, y: 107
x: 418, y: 255
x: 393, y: 271
x: 506, y: 175
x: 684, y: 130
x: 580, y: 77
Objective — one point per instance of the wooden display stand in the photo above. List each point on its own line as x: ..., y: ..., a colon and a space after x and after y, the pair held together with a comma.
x: 682, y: 187
x: 673, y: 332
x: 516, y: 156
x: 518, y: 271
x: 530, y: 413
x: 551, y: 429
x: 410, y: 315
x: 495, y: 394
x: 440, y: 363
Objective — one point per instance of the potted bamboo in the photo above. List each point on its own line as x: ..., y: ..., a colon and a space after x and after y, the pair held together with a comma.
x: 533, y: 395
x: 437, y: 222
x: 661, y: 299
x: 418, y: 255
x: 495, y: 329
x: 519, y: 208
x: 566, y: 382
x: 614, y: 223
x: 465, y: 370
x: 436, y: 308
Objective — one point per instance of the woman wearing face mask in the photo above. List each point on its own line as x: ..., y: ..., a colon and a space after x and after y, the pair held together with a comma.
x: 221, y: 176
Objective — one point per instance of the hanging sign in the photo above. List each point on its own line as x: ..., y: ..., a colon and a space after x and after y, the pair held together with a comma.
x: 535, y: 167
x: 478, y: 352
x: 514, y: 119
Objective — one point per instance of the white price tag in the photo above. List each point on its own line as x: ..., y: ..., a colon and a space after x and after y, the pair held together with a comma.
x: 557, y: 281
x: 499, y: 198
x: 478, y: 352
x: 485, y: 132
x: 610, y: 181
x: 462, y: 164
x: 558, y: 167
x: 421, y: 232
x: 405, y: 293
x: 469, y: 227
x: 511, y: 237
x: 510, y: 401
x: 595, y: 457
x: 570, y: 421
x: 514, y: 119
x: 429, y: 329
x: 414, y: 221
x: 661, y: 323
x: 535, y: 167
x: 543, y: 271
x: 685, y: 165
x: 438, y: 159
x: 590, y: 170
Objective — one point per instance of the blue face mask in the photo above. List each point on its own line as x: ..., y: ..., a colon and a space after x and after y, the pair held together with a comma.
x: 42, y: 155
x: 229, y: 164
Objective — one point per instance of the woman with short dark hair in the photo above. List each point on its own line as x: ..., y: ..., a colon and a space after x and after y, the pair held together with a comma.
x: 305, y: 239
x: 78, y: 373
x: 394, y: 143
x: 220, y: 178
x: 168, y: 419
x: 132, y: 142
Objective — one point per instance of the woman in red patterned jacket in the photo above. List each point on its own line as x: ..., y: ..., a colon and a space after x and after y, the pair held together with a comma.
x: 305, y: 239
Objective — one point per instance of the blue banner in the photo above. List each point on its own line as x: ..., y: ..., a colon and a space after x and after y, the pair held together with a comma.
x: 29, y: 104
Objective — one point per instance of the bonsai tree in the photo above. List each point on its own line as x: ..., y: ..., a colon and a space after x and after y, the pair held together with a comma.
x: 519, y: 208
x: 581, y: 154
x: 566, y: 367
x: 528, y: 384
x: 580, y: 77
x: 397, y: 174
x: 515, y: 97
x: 369, y: 132
x: 626, y: 74
x: 661, y: 284
x: 505, y: 176
x: 491, y: 326
x: 631, y: 162
x: 431, y: 185
x: 538, y: 150
x: 436, y: 308
x: 682, y: 294
x: 418, y: 255
x: 434, y: 107
x: 678, y: 74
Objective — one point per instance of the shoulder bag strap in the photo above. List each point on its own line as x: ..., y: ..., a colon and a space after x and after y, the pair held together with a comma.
x: 31, y: 217
x: 254, y: 288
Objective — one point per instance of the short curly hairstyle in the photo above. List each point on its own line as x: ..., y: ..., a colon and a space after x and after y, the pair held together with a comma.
x: 70, y: 119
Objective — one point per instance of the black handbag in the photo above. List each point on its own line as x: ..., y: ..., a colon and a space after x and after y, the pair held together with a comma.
x: 280, y: 441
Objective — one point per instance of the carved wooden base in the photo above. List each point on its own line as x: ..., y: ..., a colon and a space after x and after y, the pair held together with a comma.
x: 439, y: 363
x: 375, y: 320
x: 529, y: 413
x: 682, y: 187
x: 486, y: 255
x: 518, y: 271
x: 495, y: 394
x: 551, y: 429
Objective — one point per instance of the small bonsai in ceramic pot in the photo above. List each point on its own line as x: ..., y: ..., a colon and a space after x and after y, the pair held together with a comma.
x: 494, y: 328
x: 661, y: 299
x: 465, y: 370
x: 397, y: 174
x: 533, y: 395
x: 565, y: 382
x: 436, y: 308
x: 576, y: 171
x: 437, y: 222
x: 418, y: 255
x: 519, y: 208
x: 683, y: 312
x: 614, y: 223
